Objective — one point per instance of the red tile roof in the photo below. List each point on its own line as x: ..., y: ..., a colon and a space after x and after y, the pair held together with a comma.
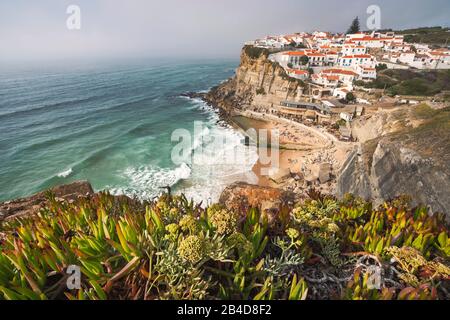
x: 358, y: 56
x: 294, y: 53
x: 340, y: 71
x: 299, y: 72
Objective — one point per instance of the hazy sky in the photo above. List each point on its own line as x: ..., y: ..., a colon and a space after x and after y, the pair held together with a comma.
x: 31, y: 29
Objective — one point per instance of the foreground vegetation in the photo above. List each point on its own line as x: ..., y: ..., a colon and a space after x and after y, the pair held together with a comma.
x: 174, y: 249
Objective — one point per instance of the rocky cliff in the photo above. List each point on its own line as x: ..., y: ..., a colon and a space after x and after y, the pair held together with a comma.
x: 258, y: 82
x: 31, y: 205
x: 405, y: 151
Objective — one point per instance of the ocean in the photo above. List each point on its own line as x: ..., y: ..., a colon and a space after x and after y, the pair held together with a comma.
x: 112, y: 124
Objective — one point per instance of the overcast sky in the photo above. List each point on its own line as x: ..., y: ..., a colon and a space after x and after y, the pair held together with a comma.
x: 32, y: 29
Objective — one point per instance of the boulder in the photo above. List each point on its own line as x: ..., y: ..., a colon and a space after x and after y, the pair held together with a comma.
x: 281, y: 175
x: 240, y: 197
x: 324, y: 173
x: 311, y: 180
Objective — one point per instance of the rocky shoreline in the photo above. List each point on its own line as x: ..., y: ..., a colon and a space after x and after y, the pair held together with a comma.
x: 301, y: 167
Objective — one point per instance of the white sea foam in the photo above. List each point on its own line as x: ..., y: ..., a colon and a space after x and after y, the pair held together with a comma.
x: 146, y: 182
x: 65, y: 174
x: 221, y: 160
x: 205, y: 177
x: 213, y: 114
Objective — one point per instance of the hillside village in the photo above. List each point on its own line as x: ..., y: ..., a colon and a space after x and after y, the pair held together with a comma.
x: 338, y: 67
x: 328, y: 94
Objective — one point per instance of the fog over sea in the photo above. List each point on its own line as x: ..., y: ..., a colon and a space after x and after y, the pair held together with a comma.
x: 111, y: 124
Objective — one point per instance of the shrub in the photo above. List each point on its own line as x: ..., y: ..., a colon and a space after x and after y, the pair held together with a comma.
x: 381, y: 67
x: 350, y: 97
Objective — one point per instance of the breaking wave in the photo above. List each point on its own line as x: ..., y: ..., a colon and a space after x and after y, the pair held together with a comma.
x: 146, y: 182
x: 65, y: 174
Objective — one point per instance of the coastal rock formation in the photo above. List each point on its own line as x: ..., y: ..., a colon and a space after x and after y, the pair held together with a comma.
x: 259, y: 82
x: 404, y: 150
x: 412, y: 157
x: 241, y: 196
x: 31, y: 205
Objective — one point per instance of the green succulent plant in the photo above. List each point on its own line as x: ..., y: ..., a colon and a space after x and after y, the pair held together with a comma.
x: 172, y: 248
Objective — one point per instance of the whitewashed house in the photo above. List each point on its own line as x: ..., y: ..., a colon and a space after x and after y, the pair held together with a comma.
x: 443, y: 56
x: 316, y: 59
x: 407, y: 57
x: 345, y: 76
x: 298, y: 74
x: 331, y: 58
x: 352, y: 61
x: 366, y: 73
x: 341, y: 93
x: 329, y: 81
x: 293, y: 58
x: 346, y: 116
x: 351, y: 49
x: 421, y: 48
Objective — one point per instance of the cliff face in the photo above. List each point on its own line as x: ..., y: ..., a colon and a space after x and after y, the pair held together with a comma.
x: 410, y: 157
x: 258, y: 82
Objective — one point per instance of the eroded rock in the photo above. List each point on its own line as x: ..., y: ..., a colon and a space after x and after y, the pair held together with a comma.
x: 31, y: 205
x: 240, y: 197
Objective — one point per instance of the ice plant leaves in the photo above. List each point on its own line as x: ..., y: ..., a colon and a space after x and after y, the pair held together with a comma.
x: 172, y: 248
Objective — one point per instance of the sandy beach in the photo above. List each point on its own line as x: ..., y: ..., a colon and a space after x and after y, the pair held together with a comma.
x: 300, y: 151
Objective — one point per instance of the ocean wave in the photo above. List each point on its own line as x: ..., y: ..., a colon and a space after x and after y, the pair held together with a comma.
x: 65, y: 174
x: 51, y: 106
x: 52, y: 141
x: 146, y: 182
x: 212, y: 113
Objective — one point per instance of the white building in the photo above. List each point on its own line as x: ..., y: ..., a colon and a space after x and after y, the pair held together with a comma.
x: 345, y: 76
x: 292, y: 57
x: 316, y: 59
x: 331, y: 58
x: 351, y: 49
x: 443, y: 56
x: 329, y: 81
x: 346, y: 116
x: 298, y: 74
x: 341, y: 93
x: 421, y: 48
x: 407, y: 57
x: 352, y: 61
x: 366, y: 73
